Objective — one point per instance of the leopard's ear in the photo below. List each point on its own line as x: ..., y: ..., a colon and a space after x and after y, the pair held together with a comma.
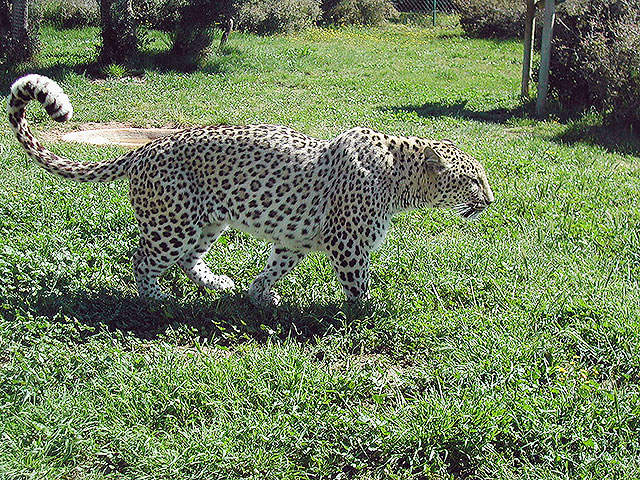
x: 434, y: 161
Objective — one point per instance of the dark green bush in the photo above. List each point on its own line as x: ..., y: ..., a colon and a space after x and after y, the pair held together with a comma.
x: 157, y: 14
x: 325, y: 8
x: 492, y: 18
x: 194, y: 30
x: 192, y: 23
x: 161, y: 14
x: 595, y: 60
x: 362, y: 12
x: 271, y: 16
x: 70, y: 13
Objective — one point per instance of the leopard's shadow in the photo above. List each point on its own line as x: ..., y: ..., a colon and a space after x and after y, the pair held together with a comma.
x: 221, y: 319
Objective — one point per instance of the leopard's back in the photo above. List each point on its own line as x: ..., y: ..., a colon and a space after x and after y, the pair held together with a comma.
x: 268, y: 180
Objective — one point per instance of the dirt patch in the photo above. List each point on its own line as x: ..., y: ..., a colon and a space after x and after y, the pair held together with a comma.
x: 127, y: 137
x: 112, y: 133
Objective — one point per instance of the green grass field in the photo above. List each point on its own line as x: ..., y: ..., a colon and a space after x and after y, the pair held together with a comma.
x: 498, y: 349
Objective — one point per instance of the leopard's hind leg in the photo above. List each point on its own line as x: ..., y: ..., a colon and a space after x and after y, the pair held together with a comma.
x: 194, y: 266
x: 165, y: 238
x: 168, y: 243
x: 148, y: 266
x: 280, y: 262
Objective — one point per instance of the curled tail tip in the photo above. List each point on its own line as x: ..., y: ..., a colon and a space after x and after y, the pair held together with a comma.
x: 64, y: 116
x: 43, y: 89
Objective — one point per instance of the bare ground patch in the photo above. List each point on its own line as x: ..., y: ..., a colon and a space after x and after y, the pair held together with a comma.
x: 111, y: 133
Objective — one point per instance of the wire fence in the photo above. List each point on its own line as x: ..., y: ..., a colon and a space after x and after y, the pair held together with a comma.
x: 436, y: 12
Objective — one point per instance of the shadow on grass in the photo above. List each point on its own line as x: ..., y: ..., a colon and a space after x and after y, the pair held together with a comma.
x: 57, y: 72
x: 220, y: 61
x: 580, y: 128
x: 617, y: 139
x: 224, y: 320
x: 460, y: 110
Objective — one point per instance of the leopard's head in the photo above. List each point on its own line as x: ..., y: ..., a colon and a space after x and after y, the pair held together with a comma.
x: 455, y: 179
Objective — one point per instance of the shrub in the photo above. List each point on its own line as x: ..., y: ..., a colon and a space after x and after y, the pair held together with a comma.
x: 595, y: 60
x: 492, y: 18
x: 362, y: 12
x: 270, y: 16
x: 194, y: 30
x: 191, y: 27
x: 325, y: 7
x: 160, y: 14
x: 70, y: 13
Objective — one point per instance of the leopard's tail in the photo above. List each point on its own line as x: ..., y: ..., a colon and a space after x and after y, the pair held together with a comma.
x: 57, y: 105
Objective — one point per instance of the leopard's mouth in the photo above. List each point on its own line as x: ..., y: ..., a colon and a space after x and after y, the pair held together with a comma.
x: 469, y: 211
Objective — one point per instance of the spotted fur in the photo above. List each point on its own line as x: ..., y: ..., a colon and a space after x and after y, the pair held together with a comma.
x: 300, y: 193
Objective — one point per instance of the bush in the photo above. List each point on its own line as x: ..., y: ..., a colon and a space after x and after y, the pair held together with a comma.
x: 595, y: 60
x: 270, y: 16
x: 325, y: 7
x: 161, y: 14
x: 195, y: 29
x: 492, y: 18
x: 157, y: 14
x: 362, y: 12
x: 70, y: 13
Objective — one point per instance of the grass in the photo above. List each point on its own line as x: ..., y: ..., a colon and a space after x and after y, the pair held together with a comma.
x: 504, y: 348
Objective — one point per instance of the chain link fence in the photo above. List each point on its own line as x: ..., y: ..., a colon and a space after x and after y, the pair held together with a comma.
x: 435, y: 12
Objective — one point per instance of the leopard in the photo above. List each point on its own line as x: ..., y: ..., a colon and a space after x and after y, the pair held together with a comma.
x: 300, y: 193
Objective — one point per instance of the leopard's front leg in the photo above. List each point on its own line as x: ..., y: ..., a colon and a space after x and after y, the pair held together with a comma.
x: 350, y: 261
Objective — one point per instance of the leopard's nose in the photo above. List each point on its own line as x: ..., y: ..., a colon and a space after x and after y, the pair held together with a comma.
x: 488, y: 196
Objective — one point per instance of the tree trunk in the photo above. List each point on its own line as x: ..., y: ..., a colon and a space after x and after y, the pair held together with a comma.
x: 227, y: 31
x: 20, y: 45
x: 118, y: 31
x: 107, y: 32
x: 19, y: 16
x: 5, y: 26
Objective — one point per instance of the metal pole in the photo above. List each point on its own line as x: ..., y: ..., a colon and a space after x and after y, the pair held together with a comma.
x: 545, y: 52
x: 434, y: 12
x: 529, y: 29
